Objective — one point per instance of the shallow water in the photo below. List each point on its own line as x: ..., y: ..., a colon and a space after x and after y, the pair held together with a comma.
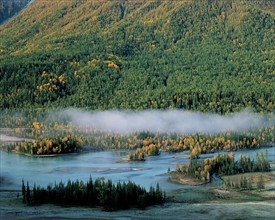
x: 45, y: 170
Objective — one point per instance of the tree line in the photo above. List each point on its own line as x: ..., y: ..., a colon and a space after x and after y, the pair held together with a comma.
x: 47, y: 146
x: 98, y: 193
x: 245, y: 183
x: 52, y: 133
x: 195, y: 57
x: 223, y: 164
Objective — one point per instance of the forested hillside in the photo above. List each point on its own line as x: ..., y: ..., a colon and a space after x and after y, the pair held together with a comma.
x: 204, y: 55
x: 9, y: 8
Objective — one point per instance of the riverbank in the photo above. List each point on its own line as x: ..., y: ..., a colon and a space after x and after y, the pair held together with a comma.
x: 177, y: 177
x: 12, y: 207
x: 206, y: 202
x: 268, y: 179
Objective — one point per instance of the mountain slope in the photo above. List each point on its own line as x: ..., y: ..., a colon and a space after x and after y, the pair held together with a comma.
x: 9, y: 8
x: 203, y: 55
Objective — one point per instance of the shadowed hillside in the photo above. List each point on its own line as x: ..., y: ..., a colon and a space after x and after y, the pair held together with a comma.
x: 9, y: 8
x: 203, y: 55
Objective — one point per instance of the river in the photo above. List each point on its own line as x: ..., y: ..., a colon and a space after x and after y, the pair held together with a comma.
x: 109, y: 164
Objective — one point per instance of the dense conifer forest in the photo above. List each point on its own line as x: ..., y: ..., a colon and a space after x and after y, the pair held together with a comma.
x: 210, y: 56
x: 203, y: 56
x: 96, y: 193
x: 223, y: 165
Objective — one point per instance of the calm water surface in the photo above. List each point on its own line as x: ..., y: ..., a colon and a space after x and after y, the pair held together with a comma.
x: 45, y: 170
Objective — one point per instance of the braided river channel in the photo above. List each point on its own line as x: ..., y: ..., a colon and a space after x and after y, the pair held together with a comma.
x: 108, y: 164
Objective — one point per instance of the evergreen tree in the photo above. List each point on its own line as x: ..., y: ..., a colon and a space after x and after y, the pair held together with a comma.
x: 245, y: 183
x: 260, y: 183
x: 28, y: 194
x: 250, y: 184
x: 23, y: 192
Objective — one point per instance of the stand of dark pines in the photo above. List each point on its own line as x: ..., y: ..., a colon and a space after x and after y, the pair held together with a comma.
x: 98, y: 193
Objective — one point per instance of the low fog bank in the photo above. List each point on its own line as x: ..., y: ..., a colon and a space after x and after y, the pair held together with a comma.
x: 178, y: 121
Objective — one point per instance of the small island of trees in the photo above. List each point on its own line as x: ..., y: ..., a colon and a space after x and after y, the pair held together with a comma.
x: 221, y: 164
x: 98, y: 193
x: 49, y: 146
x: 140, y: 153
